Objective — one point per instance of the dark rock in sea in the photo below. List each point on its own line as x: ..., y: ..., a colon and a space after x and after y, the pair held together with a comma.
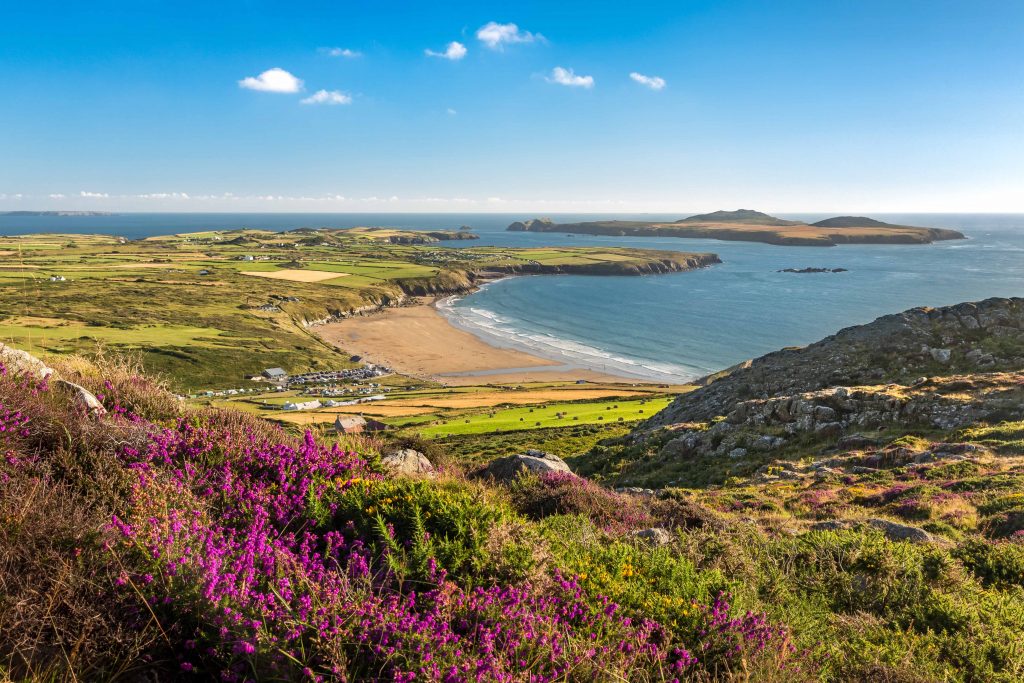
x: 812, y: 270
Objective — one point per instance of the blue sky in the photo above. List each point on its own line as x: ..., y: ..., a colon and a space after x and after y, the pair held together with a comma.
x: 784, y: 105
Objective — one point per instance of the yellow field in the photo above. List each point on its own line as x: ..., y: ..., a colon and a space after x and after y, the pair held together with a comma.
x: 297, y: 275
x: 485, y: 399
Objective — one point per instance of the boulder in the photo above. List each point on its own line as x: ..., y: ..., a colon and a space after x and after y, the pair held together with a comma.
x: 654, y: 535
x: 406, y: 461
x: 23, y: 362
x: 901, y: 532
x: 536, y: 462
x: 892, y: 530
x: 941, y: 355
x: 82, y: 396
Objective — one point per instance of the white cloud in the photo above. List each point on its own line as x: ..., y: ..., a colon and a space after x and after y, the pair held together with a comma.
x: 272, y: 80
x: 164, y: 195
x: 452, y: 112
x: 568, y: 77
x: 341, y: 52
x: 328, y: 97
x: 652, y: 82
x: 455, y: 51
x: 94, y: 195
x: 495, y: 35
x: 56, y: 195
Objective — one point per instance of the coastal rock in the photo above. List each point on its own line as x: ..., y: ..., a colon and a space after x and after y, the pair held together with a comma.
x: 406, y: 461
x: 533, y: 461
x: 873, y: 377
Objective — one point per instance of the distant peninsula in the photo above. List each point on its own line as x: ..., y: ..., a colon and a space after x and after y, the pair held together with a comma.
x: 745, y: 225
x: 56, y: 213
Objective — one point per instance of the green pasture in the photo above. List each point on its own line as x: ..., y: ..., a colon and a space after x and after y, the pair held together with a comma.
x: 536, y: 417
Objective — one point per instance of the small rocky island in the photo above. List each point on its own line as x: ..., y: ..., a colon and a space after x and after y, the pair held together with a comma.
x: 745, y: 225
x: 812, y: 270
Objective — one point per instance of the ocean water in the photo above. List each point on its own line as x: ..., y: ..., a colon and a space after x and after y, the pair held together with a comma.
x: 669, y: 327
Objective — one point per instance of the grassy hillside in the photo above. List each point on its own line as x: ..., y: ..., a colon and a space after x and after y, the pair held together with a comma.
x: 167, y: 542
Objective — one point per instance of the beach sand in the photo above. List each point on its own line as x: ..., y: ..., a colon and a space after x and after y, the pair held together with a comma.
x: 418, y: 341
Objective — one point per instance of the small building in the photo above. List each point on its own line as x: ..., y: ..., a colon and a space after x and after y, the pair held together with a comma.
x: 357, y: 424
x: 275, y: 373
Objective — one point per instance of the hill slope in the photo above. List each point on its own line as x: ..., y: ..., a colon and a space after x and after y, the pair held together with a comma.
x: 739, y: 216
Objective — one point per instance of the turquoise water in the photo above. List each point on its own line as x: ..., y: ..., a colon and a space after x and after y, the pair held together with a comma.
x: 670, y: 327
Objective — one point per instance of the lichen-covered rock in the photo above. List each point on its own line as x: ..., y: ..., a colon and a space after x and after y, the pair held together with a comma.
x: 23, y: 362
x: 654, y: 535
x: 537, y: 462
x: 406, y: 461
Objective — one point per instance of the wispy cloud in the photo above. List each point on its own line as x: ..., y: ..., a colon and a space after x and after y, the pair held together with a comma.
x: 569, y: 77
x: 455, y: 51
x: 452, y: 112
x: 652, y: 82
x: 495, y: 35
x: 94, y: 195
x: 56, y: 195
x: 272, y: 80
x: 328, y: 97
x: 340, y: 52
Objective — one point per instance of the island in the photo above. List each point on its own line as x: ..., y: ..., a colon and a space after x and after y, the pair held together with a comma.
x: 56, y: 213
x: 208, y: 308
x: 745, y: 225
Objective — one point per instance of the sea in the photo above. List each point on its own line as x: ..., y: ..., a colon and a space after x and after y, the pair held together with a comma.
x: 675, y: 327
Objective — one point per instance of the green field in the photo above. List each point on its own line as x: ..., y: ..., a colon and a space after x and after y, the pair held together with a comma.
x: 186, y: 307
x: 543, y: 416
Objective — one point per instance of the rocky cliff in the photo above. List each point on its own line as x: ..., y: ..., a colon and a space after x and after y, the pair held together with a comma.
x: 923, y: 369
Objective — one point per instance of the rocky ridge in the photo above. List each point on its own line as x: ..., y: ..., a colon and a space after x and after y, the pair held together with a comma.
x: 941, y: 368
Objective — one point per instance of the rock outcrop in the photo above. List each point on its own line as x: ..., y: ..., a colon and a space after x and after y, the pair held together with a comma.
x: 942, y: 368
x: 533, y: 461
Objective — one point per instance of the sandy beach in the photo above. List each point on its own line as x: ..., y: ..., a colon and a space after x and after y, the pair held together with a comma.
x: 419, y: 341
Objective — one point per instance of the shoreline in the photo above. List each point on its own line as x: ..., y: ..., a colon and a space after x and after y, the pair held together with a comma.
x: 420, y: 341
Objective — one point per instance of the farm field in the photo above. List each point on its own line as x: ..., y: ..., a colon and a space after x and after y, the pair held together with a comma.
x: 204, y: 310
x: 441, y: 412
x: 546, y: 415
